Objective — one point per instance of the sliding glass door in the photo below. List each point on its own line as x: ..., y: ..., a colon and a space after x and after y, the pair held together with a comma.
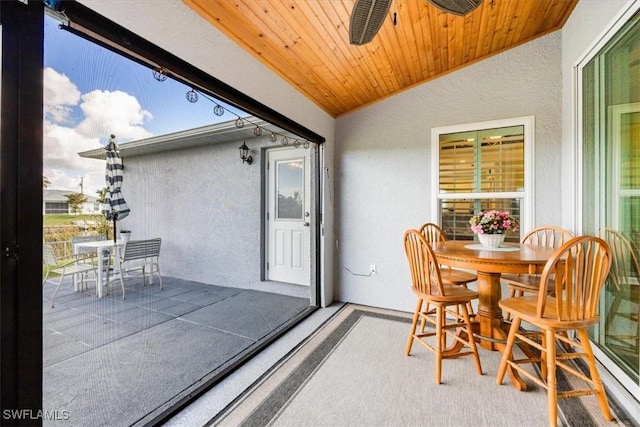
x: 611, y: 191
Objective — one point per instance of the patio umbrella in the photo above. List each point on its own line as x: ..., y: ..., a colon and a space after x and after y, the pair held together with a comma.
x: 116, y: 206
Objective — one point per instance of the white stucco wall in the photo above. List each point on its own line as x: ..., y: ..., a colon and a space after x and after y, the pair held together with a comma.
x: 171, y: 25
x: 383, y: 161
x: 206, y: 206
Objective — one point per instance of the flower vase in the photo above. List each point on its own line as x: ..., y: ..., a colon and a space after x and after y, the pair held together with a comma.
x: 125, y: 236
x: 491, y: 240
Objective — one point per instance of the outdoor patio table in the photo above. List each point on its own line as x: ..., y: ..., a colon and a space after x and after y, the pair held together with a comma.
x: 100, y: 246
x: 515, y: 258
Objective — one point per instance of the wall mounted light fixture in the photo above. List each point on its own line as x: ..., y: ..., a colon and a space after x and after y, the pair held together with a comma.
x: 244, y: 153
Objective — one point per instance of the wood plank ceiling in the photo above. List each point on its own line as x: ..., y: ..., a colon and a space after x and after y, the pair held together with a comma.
x: 306, y: 42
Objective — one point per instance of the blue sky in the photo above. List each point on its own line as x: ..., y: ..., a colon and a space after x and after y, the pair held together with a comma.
x: 91, y: 92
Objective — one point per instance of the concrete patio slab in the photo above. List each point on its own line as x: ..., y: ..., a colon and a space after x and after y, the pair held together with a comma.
x: 110, y: 361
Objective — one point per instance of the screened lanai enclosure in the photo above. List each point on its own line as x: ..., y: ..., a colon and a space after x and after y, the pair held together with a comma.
x: 238, y: 231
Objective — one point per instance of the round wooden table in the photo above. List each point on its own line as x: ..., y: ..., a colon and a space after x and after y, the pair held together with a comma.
x: 489, y: 264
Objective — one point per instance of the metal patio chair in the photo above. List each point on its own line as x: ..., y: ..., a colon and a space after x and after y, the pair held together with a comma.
x: 78, y: 266
x: 138, y: 255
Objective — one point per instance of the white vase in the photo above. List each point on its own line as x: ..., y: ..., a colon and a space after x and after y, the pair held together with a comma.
x: 125, y: 237
x: 491, y: 240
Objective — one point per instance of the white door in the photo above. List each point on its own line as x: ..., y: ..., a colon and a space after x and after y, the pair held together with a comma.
x: 288, y: 216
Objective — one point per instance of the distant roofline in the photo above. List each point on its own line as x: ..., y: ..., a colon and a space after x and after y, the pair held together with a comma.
x: 205, y: 135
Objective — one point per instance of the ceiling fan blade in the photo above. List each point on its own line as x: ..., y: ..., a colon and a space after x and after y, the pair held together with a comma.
x: 457, y: 7
x: 366, y: 19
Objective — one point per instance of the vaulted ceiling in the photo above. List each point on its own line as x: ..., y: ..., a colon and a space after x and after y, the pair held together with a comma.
x: 306, y: 42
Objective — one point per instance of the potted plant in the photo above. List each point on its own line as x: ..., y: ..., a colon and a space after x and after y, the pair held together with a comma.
x: 125, y: 235
x: 491, y: 226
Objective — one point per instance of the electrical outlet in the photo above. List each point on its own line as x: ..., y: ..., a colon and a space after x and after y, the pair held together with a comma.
x: 372, y: 269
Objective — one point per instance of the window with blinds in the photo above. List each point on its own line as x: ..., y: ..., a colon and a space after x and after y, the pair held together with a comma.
x: 483, y: 161
x: 479, y: 170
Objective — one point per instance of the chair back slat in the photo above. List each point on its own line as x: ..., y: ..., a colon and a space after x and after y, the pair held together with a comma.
x: 624, y: 259
x: 425, y: 272
x: 139, y: 249
x: 433, y: 233
x: 549, y: 236
x: 48, y: 256
x: 577, y: 270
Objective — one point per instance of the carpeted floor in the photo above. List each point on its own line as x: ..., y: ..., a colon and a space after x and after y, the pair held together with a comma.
x: 353, y: 372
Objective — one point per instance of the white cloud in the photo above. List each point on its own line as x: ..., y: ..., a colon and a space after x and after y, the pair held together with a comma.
x: 105, y: 113
x: 62, y: 164
x: 115, y: 113
x: 60, y: 94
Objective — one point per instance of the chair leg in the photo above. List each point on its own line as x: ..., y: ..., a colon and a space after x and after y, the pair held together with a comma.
x: 470, y: 309
x: 469, y: 305
x: 56, y: 291
x: 543, y: 356
x: 121, y: 282
x: 552, y: 387
x: 443, y: 322
x: 439, y: 342
x: 472, y: 341
x: 46, y: 275
x: 595, y: 375
x: 160, y: 277
x: 512, y: 294
x: 414, y: 323
x: 423, y: 321
x: 511, y: 339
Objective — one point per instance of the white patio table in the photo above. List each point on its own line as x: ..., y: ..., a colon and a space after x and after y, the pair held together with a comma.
x: 100, y: 246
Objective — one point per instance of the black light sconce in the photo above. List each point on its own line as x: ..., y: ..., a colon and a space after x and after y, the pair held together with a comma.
x: 244, y: 154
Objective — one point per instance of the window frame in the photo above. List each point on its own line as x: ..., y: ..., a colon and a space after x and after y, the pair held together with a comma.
x: 527, y: 214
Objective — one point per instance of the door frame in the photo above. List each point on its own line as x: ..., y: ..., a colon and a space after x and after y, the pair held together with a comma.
x: 22, y: 35
x: 303, y: 224
x: 316, y: 160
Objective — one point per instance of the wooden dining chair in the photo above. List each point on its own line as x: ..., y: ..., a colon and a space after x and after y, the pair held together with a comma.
x: 623, y: 313
x: 435, y: 298
x: 579, y: 269
x: 549, y: 236
x: 434, y: 234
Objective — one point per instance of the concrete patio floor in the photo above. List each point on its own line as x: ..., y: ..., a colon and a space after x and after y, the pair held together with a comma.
x: 109, y: 361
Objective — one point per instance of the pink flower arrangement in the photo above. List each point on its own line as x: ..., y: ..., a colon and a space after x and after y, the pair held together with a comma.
x: 493, y: 222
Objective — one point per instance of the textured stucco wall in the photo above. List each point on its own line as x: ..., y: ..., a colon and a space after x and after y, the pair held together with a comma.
x: 206, y: 206
x: 383, y: 161
x: 174, y: 27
